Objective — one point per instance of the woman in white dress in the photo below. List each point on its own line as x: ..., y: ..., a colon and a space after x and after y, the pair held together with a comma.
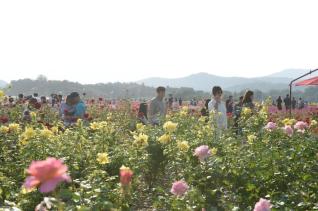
x: 218, y: 107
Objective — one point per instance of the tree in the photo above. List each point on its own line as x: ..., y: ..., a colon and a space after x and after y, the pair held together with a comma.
x: 41, y: 78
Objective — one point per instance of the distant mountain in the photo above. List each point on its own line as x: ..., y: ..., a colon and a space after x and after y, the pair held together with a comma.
x: 200, y: 81
x: 290, y: 73
x: 3, y: 84
x: 205, y: 81
x: 260, y: 85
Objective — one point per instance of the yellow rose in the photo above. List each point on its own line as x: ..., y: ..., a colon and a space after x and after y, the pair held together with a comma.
x: 33, y: 114
x: 202, y: 119
x: 102, y: 158
x: 164, y: 139
x: 140, y: 126
x: 183, y: 113
x: 246, y: 111
x: 183, y: 146
x: 55, y: 130
x: 29, y: 133
x: 170, y: 126
x: 141, y: 140
x: 4, y: 129
x: 251, y: 139
x: 46, y: 133
x: 214, y: 151
x: 23, y: 140
x: 95, y: 126
x: 313, y: 123
x: 289, y: 122
x: 14, y: 127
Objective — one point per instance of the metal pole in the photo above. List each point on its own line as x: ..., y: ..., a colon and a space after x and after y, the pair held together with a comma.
x: 290, y: 97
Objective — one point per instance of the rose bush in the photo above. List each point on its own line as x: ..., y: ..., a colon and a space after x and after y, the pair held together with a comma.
x: 184, y: 164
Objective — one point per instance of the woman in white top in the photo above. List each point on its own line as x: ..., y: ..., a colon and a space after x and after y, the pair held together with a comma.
x: 218, y: 106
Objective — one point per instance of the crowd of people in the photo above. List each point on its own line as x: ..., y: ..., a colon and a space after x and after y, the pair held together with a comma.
x: 289, y: 103
x: 72, y: 107
x: 156, y: 109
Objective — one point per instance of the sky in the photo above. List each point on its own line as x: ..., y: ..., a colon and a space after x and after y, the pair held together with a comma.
x: 128, y: 40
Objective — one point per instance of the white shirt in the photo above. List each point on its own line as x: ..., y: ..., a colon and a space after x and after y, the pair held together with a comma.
x: 220, y: 116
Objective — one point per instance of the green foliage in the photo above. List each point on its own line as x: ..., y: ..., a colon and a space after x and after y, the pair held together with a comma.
x: 275, y: 166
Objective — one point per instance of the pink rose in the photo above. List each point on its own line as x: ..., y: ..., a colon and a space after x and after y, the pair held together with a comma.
x: 288, y: 130
x: 271, y: 126
x: 300, y: 126
x: 202, y: 152
x: 47, y: 174
x: 263, y: 205
x: 179, y: 188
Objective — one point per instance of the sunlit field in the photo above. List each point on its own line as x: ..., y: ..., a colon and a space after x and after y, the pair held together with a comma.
x: 110, y: 161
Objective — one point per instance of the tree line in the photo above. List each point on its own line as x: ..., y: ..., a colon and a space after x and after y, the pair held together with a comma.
x: 45, y: 87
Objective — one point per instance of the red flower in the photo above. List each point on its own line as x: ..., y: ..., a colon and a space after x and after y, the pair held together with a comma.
x: 37, y: 105
x: 4, y: 119
x: 125, y: 176
x: 86, y: 116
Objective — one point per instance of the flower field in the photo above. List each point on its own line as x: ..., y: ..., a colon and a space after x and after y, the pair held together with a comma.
x: 109, y: 161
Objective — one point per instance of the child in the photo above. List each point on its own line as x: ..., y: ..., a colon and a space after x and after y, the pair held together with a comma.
x: 218, y: 106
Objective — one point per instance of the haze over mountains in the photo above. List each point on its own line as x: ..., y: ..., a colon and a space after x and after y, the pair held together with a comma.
x: 204, y: 81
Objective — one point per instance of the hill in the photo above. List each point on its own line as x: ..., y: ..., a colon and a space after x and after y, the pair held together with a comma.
x: 108, y: 90
x: 204, y: 81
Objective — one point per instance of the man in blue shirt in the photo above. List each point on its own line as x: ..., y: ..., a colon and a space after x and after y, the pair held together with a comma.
x: 80, y: 107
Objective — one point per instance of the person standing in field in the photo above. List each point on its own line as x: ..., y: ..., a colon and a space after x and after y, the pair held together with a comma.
x: 218, y: 106
x: 80, y: 107
x: 67, y: 111
x: 279, y: 102
x: 301, y: 104
x: 180, y: 101
x: 229, y: 105
x: 294, y: 103
x: 287, y: 102
x: 157, y: 107
x: 248, y: 100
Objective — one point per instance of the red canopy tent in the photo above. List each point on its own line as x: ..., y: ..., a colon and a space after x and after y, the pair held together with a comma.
x: 302, y: 83
x: 308, y: 82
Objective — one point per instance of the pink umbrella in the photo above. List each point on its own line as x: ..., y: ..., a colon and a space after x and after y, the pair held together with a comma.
x: 308, y: 82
